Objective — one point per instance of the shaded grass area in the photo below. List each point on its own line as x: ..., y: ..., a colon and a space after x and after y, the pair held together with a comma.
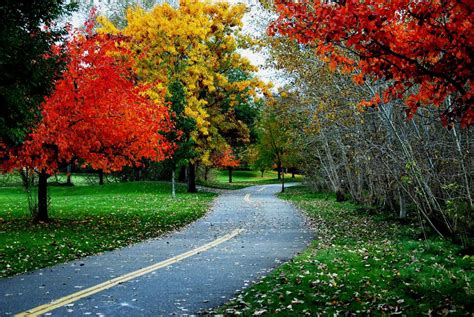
x: 242, y: 179
x: 90, y: 219
x: 78, y: 179
x: 362, y: 264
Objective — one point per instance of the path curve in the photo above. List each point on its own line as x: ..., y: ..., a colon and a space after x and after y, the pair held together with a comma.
x: 271, y: 232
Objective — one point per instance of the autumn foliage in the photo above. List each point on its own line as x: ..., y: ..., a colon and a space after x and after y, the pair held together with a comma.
x: 196, y: 44
x: 97, y: 115
x: 226, y: 158
x: 424, y: 49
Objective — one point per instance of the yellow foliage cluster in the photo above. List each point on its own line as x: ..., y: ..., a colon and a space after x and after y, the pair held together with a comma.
x: 196, y: 44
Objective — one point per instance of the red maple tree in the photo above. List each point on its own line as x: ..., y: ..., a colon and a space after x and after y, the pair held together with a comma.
x: 97, y: 116
x: 424, y: 48
x: 227, y: 159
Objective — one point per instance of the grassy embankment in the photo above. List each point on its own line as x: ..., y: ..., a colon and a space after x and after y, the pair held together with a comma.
x: 88, y: 219
x: 241, y: 179
x: 363, y: 263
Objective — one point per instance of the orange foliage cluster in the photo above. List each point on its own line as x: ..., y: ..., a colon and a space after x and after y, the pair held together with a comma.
x: 226, y: 159
x: 426, y: 44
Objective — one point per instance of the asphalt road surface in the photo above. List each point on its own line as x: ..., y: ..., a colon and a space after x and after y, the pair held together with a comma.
x: 247, y: 233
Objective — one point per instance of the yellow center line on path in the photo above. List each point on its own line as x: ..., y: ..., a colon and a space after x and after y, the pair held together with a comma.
x: 260, y: 189
x: 121, y: 279
x: 247, y: 198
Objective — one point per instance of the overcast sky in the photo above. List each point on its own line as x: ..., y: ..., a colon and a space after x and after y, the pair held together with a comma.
x: 256, y: 22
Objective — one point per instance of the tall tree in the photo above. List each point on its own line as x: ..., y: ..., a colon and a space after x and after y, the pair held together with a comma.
x: 96, y: 116
x: 275, y: 135
x: 424, y: 49
x: 196, y: 44
x: 29, y: 62
x: 184, y: 125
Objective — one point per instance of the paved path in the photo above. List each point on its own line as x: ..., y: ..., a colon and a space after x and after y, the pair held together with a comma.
x: 247, y: 234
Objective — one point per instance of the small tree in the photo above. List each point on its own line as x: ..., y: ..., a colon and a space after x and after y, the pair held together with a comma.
x: 276, y: 137
x: 227, y: 159
x: 258, y: 158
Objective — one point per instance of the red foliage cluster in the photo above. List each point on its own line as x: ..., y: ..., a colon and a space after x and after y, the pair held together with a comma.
x: 226, y: 159
x: 426, y: 44
x: 97, y: 114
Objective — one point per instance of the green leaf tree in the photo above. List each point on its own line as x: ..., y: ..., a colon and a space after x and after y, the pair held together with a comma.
x: 29, y: 62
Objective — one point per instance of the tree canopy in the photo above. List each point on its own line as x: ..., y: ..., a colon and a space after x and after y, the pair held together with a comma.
x: 196, y: 45
x: 96, y: 114
x: 423, y: 48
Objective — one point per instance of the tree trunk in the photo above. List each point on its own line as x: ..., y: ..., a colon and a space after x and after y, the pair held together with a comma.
x: 465, y: 174
x: 206, y: 173
x: 182, y: 174
x: 403, y: 209
x: 293, y: 173
x: 42, y: 214
x: 192, y: 178
x: 340, y: 197
x: 283, y: 181
x: 138, y: 173
x: 230, y: 174
x: 68, y: 174
x: 101, y: 177
x: 262, y: 171
x: 279, y: 170
x: 173, y: 185
x: 330, y: 165
x: 26, y: 180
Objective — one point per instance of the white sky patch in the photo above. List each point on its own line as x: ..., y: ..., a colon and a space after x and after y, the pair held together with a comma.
x: 255, y: 23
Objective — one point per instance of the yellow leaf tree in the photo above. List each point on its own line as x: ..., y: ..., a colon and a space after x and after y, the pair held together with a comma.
x: 197, y: 45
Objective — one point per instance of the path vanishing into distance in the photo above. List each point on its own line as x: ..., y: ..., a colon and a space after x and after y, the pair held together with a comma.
x: 246, y: 234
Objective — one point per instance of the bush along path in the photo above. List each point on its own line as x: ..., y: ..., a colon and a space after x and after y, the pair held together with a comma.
x: 246, y: 234
x: 362, y: 264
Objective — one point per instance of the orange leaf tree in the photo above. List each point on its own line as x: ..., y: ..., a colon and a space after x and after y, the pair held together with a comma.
x: 226, y: 159
x: 96, y: 116
x: 424, y: 49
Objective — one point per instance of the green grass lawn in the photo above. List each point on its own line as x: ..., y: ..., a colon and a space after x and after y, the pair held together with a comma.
x: 362, y: 264
x: 89, y: 219
x: 241, y: 179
